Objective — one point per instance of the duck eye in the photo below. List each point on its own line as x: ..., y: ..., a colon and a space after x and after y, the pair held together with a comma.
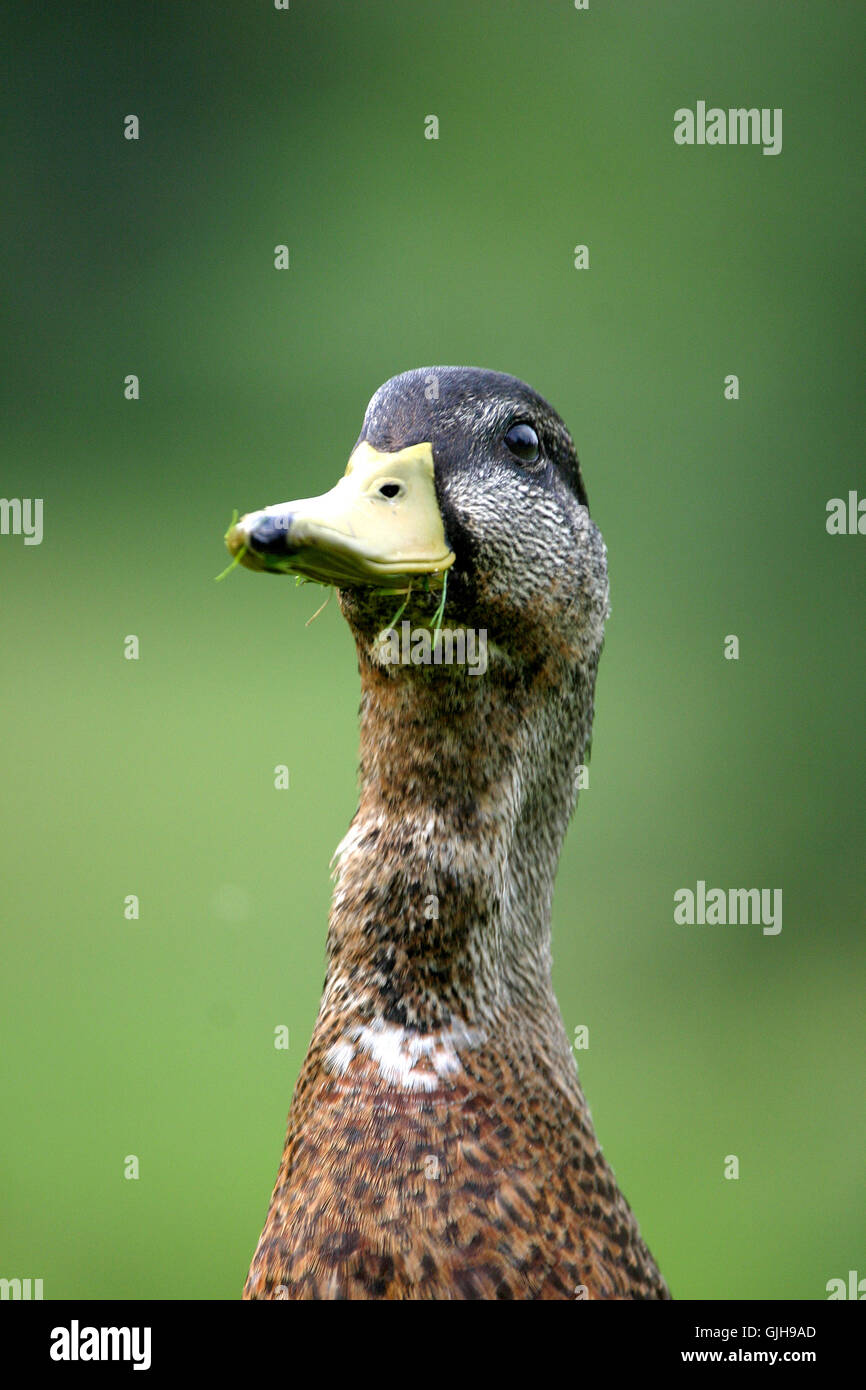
x: 390, y: 489
x: 523, y: 442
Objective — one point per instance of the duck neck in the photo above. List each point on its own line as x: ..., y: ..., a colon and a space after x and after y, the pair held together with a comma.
x: 441, y: 912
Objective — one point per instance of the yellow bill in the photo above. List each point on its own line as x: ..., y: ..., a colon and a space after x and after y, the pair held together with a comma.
x: 380, y: 521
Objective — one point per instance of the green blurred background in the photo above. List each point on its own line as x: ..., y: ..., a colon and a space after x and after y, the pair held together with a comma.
x: 154, y: 777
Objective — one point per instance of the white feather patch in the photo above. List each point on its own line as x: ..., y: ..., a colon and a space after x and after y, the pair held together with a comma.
x: 404, y: 1057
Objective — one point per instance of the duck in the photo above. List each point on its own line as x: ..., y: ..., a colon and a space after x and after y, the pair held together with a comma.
x: 439, y: 1145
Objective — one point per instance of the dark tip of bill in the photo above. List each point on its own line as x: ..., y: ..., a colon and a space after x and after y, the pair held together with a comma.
x: 270, y: 536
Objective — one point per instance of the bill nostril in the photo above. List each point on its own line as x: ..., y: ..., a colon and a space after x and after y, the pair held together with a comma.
x: 270, y: 535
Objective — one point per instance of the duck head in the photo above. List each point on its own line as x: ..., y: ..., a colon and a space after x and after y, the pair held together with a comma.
x: 462, y: 480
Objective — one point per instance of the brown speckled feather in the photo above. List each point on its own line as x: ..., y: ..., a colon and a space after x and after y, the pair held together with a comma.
x: 472, y: 1190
